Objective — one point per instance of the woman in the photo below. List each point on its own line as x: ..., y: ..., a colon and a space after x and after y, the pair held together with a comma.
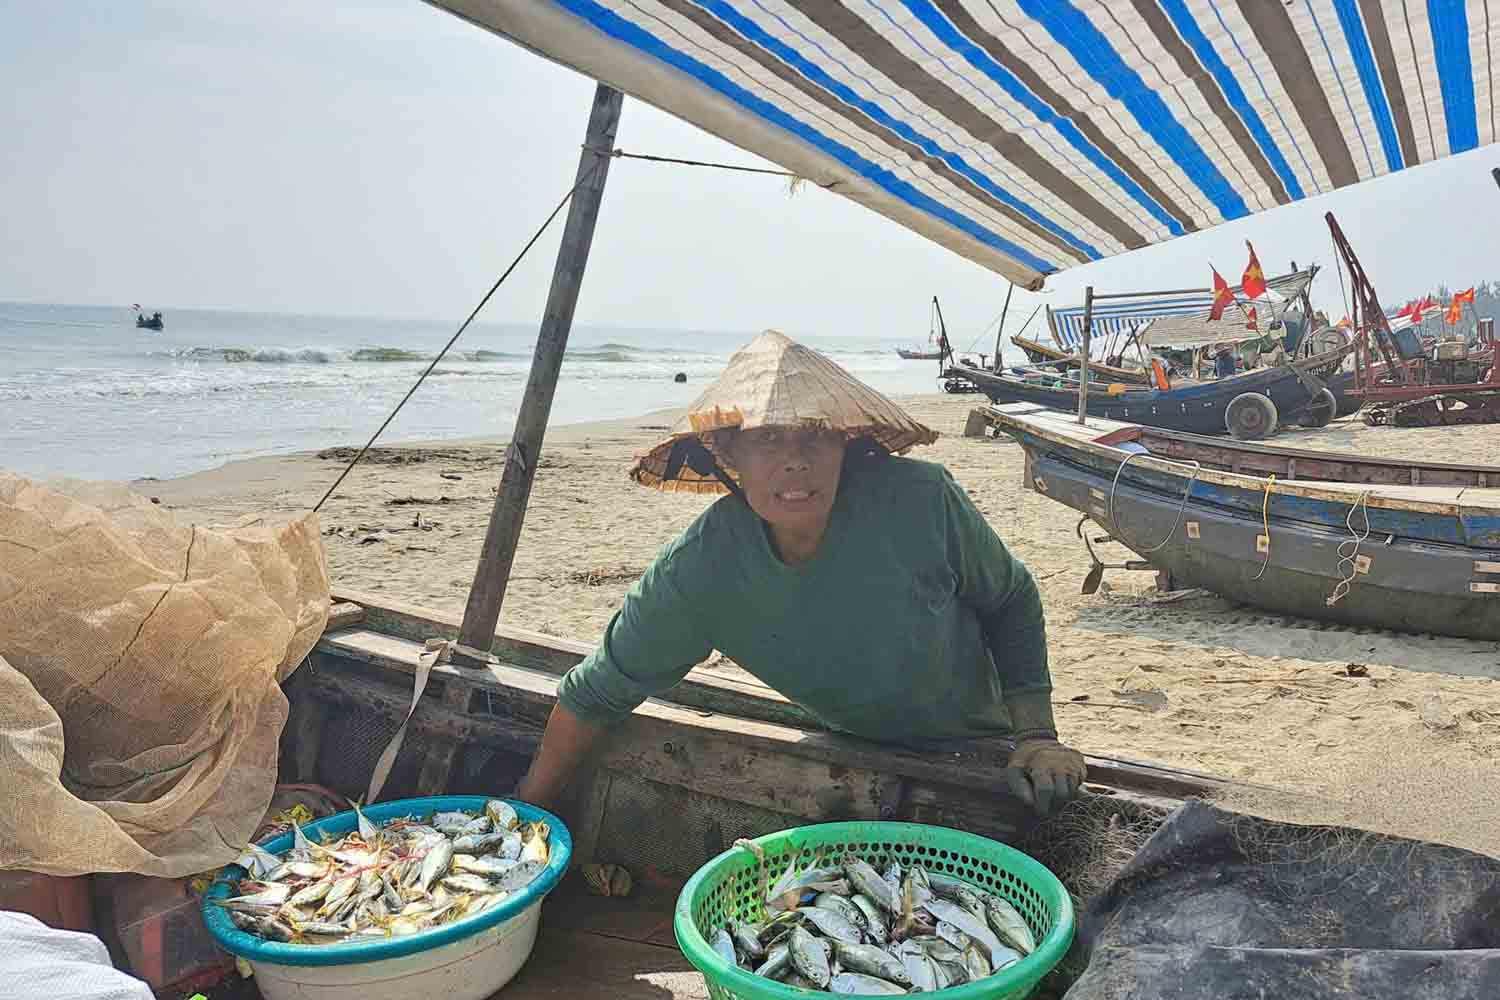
x: 866, y: 588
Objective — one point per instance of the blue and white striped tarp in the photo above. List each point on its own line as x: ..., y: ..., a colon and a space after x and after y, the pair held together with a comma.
x: 1121, y: 316
x: 1035, y: 135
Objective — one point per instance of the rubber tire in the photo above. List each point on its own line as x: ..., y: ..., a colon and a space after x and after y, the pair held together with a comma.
x: 1320, y: 411
x: 1251, y: 416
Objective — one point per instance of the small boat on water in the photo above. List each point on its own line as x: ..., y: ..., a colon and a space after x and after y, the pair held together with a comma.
x: 152, y: 322
x: 1248, y: 406
x: 1386, y: 543
x: 919, y: 355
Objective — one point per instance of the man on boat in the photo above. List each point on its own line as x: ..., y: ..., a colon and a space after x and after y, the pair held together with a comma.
x: 865, y: 587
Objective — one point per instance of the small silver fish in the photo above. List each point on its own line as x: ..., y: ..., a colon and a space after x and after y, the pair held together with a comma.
x: 439, y: 856
x: 974, y: 927
x: 919, y: 966
x: 831, y: 924
x: 842, y: 906
x: 502, y: 815
x: 1008, y: 924
x: 809, y: 957
x: 858, y: 984
x: 479, y: 824
x: 477, y: 843
x: 778, y: 960
x: 872, y: 961
x: 469, y: 883
x: 747, y: 939
x: 534, y: 842
x: 368, y: 832
x: 520, y: 876
x: 875, y: 924
x: 489, y: 867
x: 723, y: 943
x: 510, y: 846
x: 867, y: 882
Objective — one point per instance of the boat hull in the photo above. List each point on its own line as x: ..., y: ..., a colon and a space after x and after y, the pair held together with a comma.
x: 1198, y: 408
x: 1406, y: 585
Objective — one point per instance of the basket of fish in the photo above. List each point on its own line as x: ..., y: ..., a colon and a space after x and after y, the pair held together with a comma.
x: 418, y: 897
x: 873, y: 909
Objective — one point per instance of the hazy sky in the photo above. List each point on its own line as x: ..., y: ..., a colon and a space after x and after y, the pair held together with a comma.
x: 383, y: 157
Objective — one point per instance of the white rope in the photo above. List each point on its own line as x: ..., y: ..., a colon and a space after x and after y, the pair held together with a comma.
x: 1346, y: 579
x: 1181, y: 509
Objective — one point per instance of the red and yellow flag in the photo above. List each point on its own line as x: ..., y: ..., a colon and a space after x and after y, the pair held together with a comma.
x: 1254, y: 279
x: 1252, y: 322
x: 1455, y: 311
x: 1467, y: 295
x: 1223, y: 296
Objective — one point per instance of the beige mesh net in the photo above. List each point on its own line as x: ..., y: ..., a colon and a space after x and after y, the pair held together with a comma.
x: 140, y: 657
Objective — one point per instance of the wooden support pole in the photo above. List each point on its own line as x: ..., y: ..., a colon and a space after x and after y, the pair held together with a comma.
x: 1000, y: 330
x: 1083, y: 358
x: 488, y: 592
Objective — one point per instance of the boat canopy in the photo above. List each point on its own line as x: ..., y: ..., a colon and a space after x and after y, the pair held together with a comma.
x: 1176, y: 318
x: 1035, y: 135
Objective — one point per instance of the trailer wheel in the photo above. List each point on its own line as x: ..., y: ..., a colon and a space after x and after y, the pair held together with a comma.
x: 1320, y: 411
x: 1250, y: 416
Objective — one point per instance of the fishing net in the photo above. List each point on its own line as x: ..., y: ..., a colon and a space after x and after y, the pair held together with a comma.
x: 140, y: 661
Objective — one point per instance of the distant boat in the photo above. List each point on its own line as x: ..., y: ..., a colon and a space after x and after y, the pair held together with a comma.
x: 919, y: 355
x: 154, y: 322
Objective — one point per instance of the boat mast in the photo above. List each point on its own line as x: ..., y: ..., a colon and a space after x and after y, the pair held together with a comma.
x: 1000, y: 330
x: 1083, y: 354
x: 482, y: 612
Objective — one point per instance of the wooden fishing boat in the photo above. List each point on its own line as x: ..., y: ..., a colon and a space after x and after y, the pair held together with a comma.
x: 910, y: 355
x: 1249, y: 406
x: 1040, y: 354
x: 1362, y: 541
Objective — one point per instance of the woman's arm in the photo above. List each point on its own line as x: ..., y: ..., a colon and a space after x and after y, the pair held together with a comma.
x: 565, y: 744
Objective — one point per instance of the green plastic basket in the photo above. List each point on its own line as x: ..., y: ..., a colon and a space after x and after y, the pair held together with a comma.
x: 729, y: 887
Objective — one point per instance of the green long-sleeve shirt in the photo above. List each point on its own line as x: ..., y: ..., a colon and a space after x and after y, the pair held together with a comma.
x: 912, y: 622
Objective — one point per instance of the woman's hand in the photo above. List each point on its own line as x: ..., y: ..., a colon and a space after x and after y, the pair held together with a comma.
x: 564, y: 745
x: 1043, y: 773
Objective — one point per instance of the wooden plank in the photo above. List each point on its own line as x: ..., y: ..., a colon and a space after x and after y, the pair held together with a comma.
x: 525, y: 697
x: 525, y: 450
x: 343, y: 614
x: 568, y: 963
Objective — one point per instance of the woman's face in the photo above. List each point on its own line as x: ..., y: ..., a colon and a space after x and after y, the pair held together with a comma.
x: 790, y: 475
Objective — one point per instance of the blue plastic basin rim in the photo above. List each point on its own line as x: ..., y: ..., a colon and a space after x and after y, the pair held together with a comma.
x: 258, y: 949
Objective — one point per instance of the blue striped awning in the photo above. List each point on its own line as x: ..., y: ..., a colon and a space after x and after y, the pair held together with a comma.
x: 1035, y: 135
x: 1123, y: 316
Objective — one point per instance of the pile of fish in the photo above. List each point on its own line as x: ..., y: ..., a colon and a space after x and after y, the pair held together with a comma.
x: 398, y: 878
x: 850, y: 929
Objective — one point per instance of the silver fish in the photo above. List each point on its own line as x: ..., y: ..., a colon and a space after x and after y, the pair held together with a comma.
x: 469, y: 883
x: 747, y: 939
x: 258, y: 862
x: 476, y: 824
x: 954, y: 973
x: 977, y: 965
x: 919, y: 966
x: 439, y: 856
x: 857, y: 984
x: 954, y: 937
x: 477, y: 843
x: 868, y: 883
x: 368, y: 832
x: 876, y: 927
x: 801, y: 982
x: 520, y: 876
x: 1008, y: 924
x: 271, y: 895
x: 778, y: 960
x: 969, y: 900
x: 916, y: 882
x: 390, y: 893
x: 809, y: 958
x: 489, y: 867
x: 723, y: 943
x: 831, y: 924
x: 324, y: 928
x: 502, y: 815
x: 975, y: 928
x: 510, y: 846
x: 456, y: 820
x: 872, y: 961
x: 842, y: 906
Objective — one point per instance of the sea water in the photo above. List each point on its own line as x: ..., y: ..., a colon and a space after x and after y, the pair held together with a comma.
x: 83, y: 392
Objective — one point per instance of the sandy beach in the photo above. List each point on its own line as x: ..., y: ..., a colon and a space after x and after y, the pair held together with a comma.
x: 1192, y: 680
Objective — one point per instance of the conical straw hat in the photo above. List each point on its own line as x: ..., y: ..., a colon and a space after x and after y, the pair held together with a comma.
x: 775, y: 382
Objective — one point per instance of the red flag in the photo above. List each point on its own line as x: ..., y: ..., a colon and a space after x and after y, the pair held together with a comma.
x: 1346, y: 321
x: 1416, y: 311
x: 1465, y: 296
x: 1254, y: 279
x: 1406, y: 309
x: 1455, y: 312
x: 1223, y: 296
x: 1251, y: 320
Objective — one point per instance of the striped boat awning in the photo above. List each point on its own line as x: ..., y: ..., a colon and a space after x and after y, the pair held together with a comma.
x: 1034, y: 135
x: 1125, y: 315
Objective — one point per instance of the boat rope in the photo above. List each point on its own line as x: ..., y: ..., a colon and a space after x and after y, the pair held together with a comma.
x: 679, y: 161
x: 1346, y: 579
x: 588, y: 176
x: 1181, y: 509
x: 1265, y: 520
